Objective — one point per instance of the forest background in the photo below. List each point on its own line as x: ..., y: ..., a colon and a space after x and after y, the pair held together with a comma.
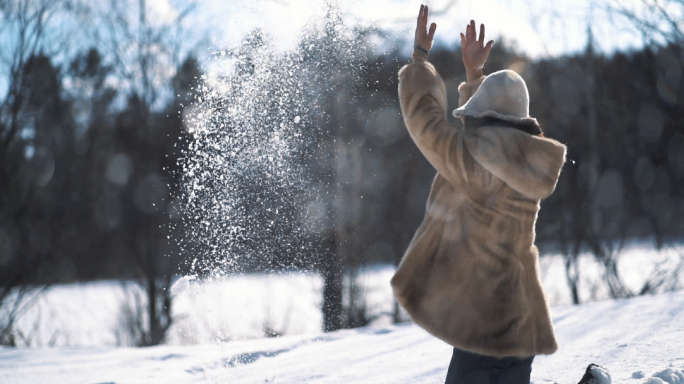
x: 96, y: 138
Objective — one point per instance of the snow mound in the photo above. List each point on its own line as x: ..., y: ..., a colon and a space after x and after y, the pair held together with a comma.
x: 601, y: 375
x: 638, y: 375
x: 668, y: 376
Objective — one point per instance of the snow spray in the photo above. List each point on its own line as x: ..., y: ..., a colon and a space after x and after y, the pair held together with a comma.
x: 256, y: 173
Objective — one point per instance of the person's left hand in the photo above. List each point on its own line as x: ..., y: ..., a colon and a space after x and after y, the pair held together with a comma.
x: 423, y: 38
x: 474, y: 51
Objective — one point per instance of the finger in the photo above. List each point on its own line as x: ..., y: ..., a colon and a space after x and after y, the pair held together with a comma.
x: 420, y: 17
x: 426, y: 12
x: 433, y: 28
x: 469, y: 34
x: 473, y: 34
x: 463, y: 41
x: 418, y: 22
x: 482, y: 33
x: 489, y: 45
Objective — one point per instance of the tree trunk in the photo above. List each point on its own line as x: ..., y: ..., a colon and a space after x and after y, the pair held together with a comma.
x: 332, y: 289
x: 572, y: 276
x: 152, y: 311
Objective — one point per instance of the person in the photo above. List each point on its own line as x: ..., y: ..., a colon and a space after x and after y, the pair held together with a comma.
x: 470, y: 275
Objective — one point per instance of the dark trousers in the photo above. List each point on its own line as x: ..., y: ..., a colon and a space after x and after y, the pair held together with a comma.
x: 471, y: 368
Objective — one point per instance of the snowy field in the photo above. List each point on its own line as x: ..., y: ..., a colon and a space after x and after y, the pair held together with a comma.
x: 635, y: 339
x: 220, y: 327
x: 248, y: 306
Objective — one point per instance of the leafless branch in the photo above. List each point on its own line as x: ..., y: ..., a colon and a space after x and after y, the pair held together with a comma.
x: 24, y: 32
x: 655, y: 20
x: 12, y: 307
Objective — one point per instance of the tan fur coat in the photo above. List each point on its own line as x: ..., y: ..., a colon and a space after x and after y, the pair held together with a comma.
x: 470, y: 275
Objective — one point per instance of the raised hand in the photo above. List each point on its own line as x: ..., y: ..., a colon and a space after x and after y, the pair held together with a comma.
x: 423, y: 37
x: 474, y: 51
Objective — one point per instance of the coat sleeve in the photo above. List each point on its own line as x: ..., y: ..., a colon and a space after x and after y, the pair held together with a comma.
x: 422, y: 97
x: 529, y: 164
x: 466, y: 90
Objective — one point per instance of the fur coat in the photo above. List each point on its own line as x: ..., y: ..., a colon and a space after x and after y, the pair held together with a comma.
x: 470, y: 275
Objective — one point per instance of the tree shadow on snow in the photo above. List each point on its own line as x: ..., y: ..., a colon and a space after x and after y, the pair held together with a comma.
x: 250, y: 357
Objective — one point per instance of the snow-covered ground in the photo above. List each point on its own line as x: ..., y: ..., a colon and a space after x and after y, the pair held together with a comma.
x: 247, y: 306
x: 632, y: 338
x: 219, y: 328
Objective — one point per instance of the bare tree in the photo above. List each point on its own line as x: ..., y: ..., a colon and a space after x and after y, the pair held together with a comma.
x: 659, y: 21
x: 24, y: 29
x: 145, y: 55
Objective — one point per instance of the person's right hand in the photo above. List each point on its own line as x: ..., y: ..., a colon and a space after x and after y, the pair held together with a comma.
x: 473, y: 50
x: 423, y: 37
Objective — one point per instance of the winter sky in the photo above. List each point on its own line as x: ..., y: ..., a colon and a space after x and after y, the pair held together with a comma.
x: 541, y: 28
